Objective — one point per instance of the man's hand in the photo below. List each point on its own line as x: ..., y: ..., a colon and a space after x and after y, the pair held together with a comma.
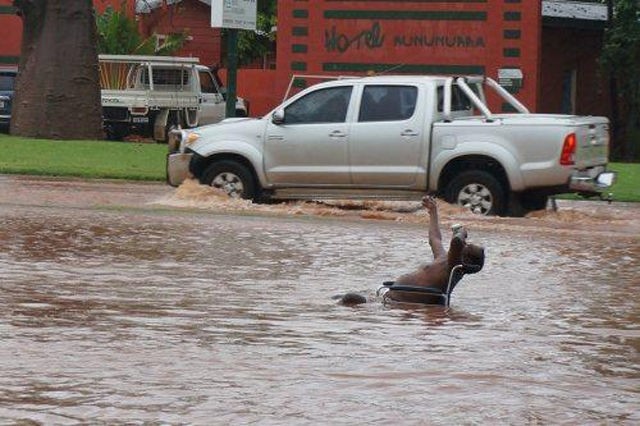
x: 435, y: 237
x: 430, y: 204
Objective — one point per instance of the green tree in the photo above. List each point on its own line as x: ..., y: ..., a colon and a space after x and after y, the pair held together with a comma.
x: 253, y: 45
x: 620, y: 58
x: 118, y: 35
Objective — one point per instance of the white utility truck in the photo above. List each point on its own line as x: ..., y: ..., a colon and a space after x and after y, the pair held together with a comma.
x: 151, y: 95
x: 400, y: 137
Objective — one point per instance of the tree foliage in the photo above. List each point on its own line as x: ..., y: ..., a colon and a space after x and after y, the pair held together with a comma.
x: 253, y: 45
x: 118, y: 35
x: 620, y: 58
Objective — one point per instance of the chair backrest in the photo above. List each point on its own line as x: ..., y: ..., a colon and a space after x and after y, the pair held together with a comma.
x: 431, y: 295
x: 454, y: 278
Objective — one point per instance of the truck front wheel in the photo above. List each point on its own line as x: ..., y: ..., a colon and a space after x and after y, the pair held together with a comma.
x: 231, y: 177
x: 478, y: 191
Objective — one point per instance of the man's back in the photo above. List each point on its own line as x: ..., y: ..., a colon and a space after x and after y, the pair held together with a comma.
x: 434, y: 274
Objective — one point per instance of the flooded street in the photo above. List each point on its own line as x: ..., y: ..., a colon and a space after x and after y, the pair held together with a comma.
x: 126, y: 303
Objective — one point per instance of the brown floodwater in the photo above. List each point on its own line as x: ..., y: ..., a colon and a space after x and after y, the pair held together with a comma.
x: 144, y: 304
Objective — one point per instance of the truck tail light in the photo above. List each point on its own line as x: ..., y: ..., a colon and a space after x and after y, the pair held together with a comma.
x: 567, y: 157
x: 139, y: 110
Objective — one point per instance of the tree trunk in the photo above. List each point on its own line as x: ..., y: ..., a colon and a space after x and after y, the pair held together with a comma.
x: 632, y: 131
x: 57, y: 89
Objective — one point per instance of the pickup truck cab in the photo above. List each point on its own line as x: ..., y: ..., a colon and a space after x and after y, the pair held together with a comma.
x: 399, y: 137
x: 152, y: 95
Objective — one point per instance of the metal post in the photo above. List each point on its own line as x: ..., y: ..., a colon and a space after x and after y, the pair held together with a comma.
x: 232, y: 71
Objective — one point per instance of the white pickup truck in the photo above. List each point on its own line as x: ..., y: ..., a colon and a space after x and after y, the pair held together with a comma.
x: 151, y: 95
x: 399, y: 137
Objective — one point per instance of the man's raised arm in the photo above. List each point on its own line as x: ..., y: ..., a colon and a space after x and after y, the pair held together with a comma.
x: 435, y: 237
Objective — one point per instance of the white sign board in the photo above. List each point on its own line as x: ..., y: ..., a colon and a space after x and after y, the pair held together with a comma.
x: 238, y: 14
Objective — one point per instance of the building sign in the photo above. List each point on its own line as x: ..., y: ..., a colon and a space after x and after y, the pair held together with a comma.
x: 238, y: 14
x: 375, y: 38
x: 510, y: 79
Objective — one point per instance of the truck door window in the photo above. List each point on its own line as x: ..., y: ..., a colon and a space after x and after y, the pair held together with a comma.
x: 387, y: 103
x: 206, y: 82
x: 321, y: 106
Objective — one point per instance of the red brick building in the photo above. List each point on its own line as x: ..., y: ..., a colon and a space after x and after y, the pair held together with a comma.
x: 190, y: 16
x: 571, y: 41
x: 11, y: 27
x: 10, y: 33
x: 552, y: 44
x: 154, y: 17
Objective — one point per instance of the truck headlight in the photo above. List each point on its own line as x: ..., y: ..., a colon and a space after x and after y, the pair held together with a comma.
x: 190, y: 138
x: 174, y: 139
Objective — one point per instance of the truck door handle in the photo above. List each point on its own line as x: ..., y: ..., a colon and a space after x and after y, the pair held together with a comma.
x: 337, y: 134
x: 275, y: 138
x: 409, y: 132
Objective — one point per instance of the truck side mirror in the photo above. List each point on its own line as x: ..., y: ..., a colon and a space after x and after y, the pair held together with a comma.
x: 278, y: 117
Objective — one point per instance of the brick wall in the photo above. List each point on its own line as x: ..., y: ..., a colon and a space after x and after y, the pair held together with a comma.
x: 419, y: 36
x: 10, y: 33
x: 567, y: 50
x: 258, y: 86
x: 101, y: 5
x: 11, y: 28
x: 192, y: 16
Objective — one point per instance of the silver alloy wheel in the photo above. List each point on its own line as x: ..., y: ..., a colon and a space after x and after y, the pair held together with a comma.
x: 476, y: 197
x: 229, y: 183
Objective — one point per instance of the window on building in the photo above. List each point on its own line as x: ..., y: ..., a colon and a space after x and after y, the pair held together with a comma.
x: 162, y: 39
x: 387, y: 103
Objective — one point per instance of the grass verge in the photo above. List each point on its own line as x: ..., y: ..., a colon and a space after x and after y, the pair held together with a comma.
x: 146, y: 161
x: 627, y: 187
x: 88, y: 159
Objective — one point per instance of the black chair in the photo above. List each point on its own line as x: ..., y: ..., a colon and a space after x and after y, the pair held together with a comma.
x: 424, y: 295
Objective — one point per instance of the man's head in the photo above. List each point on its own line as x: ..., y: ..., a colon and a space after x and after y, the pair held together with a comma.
x: 472, y: 258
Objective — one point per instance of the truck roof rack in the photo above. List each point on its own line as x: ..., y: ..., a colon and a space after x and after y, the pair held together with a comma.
x: 154, y: 59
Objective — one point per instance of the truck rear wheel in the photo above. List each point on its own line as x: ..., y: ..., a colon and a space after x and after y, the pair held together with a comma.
x: 478, y: 191
x: 231, y: 177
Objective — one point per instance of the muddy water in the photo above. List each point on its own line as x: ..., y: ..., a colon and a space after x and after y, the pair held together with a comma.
x: 130, y: 304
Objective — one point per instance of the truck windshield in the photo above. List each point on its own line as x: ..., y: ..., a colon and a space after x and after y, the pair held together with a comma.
x: 206, y: 82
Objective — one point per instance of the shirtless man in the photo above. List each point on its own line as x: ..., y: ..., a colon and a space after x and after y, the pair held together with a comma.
x: 436, y: 274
